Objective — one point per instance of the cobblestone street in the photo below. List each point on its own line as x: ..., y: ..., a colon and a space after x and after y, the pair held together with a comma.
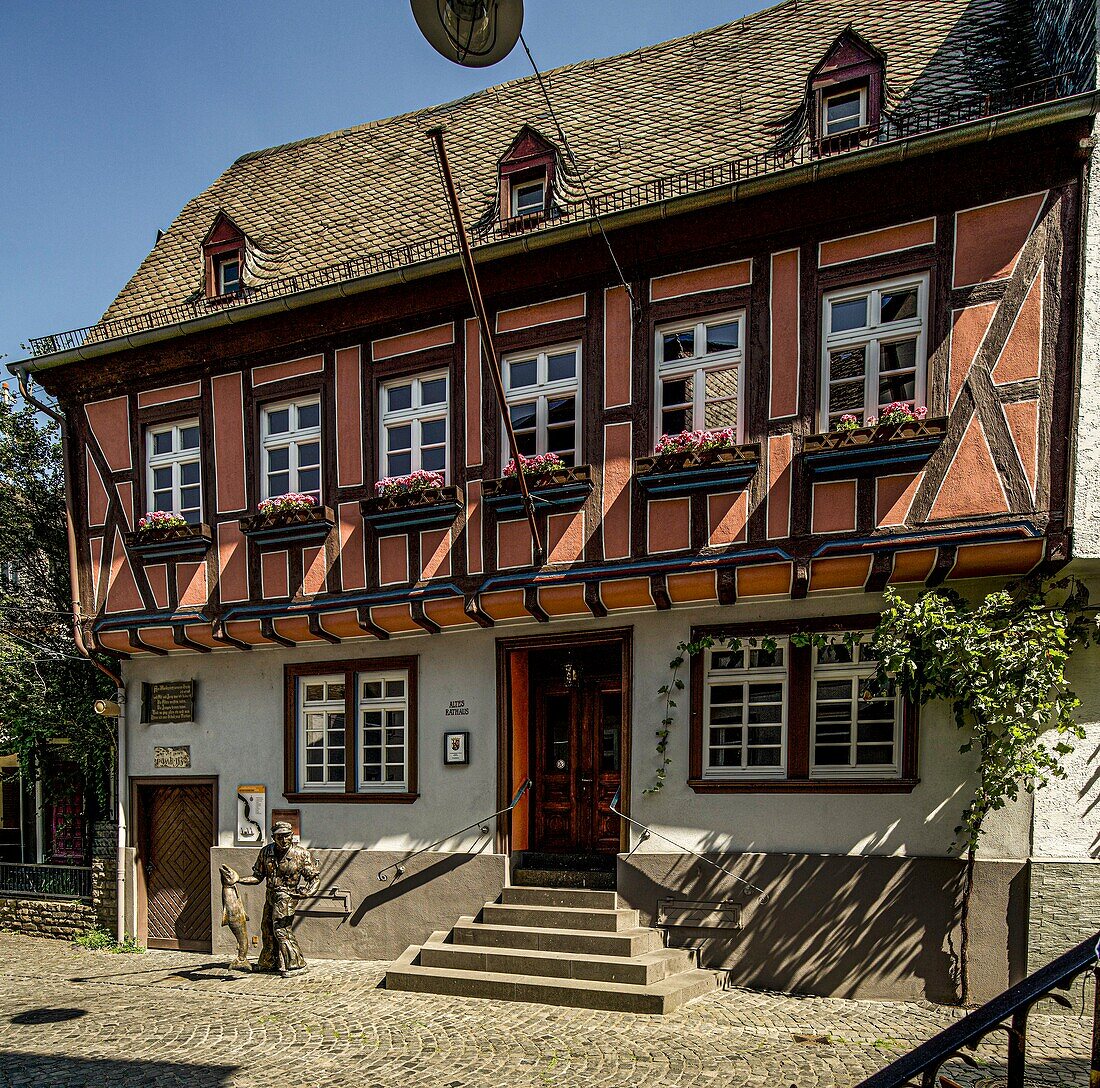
x: 75, y: 1018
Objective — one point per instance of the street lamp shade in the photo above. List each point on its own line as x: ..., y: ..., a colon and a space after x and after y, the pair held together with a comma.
x: 473, y: 33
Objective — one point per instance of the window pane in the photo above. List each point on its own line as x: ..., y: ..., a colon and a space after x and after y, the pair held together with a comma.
x: 728, y: 659
x: 309, y: 453
x: 336, y: 692
x: 309, y: 480
x: 720, y: 409
x: 523, y: 416
x: 278, y: 483
x: 678, y: 345
x: 676, y: 421
x: 162, y: 442
x: 526, y: 443
x: 723, y: 337
x: 434, y: 460
x: 847, y: 363
x: 372, y: 689
x: 398, y: 397
x: 835, y: 653
x: 433, y: 431
x: 189, y: 438
x: 278, y: 459
x: 162, y: 478
x: 309, y: 415
x: 162, y: 500
x: 189, y: 498
x: 522, y: 374
x: 874, y: 756
x: 846, y: 397
x: 831, y: 755
x: 761, y: 658
x: 725, y: 693
x: 399, y: 438
x: 315, y: 693
x: 899, y: 305
x: 849, y: 314
x: 842, y: 112
x: 529, y: 198
x: 561, y: 410
x: 189, y: 472
x: 395, y: 689
x: 559, y: 367
x: 834, y: 689
x: 399, y: 464
x: 763, y: 757
x: 278, y: 421
x: 433, y: 391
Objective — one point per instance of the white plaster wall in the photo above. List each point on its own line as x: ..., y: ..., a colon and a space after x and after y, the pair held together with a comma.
x: 238, y: 736
x: 1067, y: 812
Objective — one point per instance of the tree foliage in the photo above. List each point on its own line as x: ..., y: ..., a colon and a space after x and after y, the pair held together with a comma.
x: 47, y: 690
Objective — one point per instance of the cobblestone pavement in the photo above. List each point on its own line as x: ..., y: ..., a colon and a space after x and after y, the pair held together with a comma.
x: 74, y: 1018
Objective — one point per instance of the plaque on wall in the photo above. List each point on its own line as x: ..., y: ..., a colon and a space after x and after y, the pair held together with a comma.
x: 292, y: 816
x: 456, y: 748
x: 177, y: 757
x: 168, y: 703
x: 251, y: 806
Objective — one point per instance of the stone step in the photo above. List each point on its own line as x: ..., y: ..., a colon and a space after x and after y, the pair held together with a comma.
x: 660, y: 997
x: 559, y: 897
x: 585, y: 918
x: 630, y: 942
x: 563, y: 878
x: 644, y: 970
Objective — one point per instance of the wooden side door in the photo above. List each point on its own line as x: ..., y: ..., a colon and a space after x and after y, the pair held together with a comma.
x: 603, y: 714
x: 177, y: 833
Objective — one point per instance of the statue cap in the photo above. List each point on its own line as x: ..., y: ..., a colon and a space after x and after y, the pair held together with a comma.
x: 281, y: 827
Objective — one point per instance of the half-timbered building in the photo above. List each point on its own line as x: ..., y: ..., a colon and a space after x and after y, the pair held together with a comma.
x: 774, y: 230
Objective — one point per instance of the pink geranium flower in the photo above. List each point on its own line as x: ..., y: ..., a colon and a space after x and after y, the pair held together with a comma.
x: 542, y: 464
x: 420, y: 480
x: 161, y: 519
x: 722, y: 438
x: 288, y: 503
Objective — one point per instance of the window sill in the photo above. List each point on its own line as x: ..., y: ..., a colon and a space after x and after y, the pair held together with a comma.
x: 712, y: 470
x: 803, y: 785
x: 297, y: 527
x: 873, y: 450
x: 178, y: 542
x: 563, y: 490
x: 352, y: 798
x: 430, y: 508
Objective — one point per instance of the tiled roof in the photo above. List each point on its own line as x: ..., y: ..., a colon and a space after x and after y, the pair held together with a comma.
x: 696, y: 101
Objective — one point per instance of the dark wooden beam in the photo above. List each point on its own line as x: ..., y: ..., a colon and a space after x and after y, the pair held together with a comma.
x: 179, y: 637
x: 416, y: 606
x: 368, y: 625
x: 531, y: 603
x: 592, y: 599
x: 135, y: 640
x: 727, y: 585
x: 882, y: 566
x: 946, y: 554
x: 267, y: 629
x: 658, y: 590
x: 315, y: 628
x: 472, y: 608
x: 800, y: 580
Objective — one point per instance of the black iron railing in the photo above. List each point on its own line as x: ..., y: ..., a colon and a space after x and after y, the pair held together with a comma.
x: 482, y: 826
x: 1008, y: 1012
x: 900, y: 124
x: 45, y: 881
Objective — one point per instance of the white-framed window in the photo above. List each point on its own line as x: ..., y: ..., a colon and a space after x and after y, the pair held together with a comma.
x: 321, y: 738
x: 851, y: 733
x: 227, y: 273
x: 745, y: 712
x: 529, y: 197
x: 383, y: 700
x: 874, y: 348
x: 542, y: 391
x: 291, y: 436
x: 414, y: 425
x: 843, y: 112
x: 173, y: 469
x: 700, y: 374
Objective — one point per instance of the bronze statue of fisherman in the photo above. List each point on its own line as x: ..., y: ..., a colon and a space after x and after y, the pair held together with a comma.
x: 291, y: 874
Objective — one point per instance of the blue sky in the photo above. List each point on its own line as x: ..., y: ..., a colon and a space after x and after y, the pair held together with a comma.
x: 116, y: 112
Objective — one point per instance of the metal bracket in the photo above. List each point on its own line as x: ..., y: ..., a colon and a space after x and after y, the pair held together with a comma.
x: 333, y: 893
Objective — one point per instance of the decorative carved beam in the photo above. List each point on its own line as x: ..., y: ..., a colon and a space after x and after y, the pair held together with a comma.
x: 179, y: 637
x: 658, y: 590
x: 315, y: 628
x: 135, y: 640
x: 592, y: 599
x: 882, y: 566
x: 416, y: 607
x: 800, y: 581
x: 267, y: 629
x: 531, y: 603
x: 473, y: 609
x: 727, y: 585
x: 946, y: 554
x: 363, y: 615
x: 219, y: 634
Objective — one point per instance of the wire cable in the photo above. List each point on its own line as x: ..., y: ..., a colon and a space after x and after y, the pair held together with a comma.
x: 580, y: 176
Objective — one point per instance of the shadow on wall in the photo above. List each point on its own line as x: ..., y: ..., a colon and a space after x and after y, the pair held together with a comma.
x: 24, y: 1068
x: 836, y: 926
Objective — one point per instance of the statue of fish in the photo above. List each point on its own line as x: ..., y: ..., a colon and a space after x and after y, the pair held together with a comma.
x: 233, y: 915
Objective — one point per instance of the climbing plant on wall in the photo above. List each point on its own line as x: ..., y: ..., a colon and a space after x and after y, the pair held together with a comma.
x: 999, y: 663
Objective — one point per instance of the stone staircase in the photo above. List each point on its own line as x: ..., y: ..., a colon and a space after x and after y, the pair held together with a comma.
x: 554, y: 946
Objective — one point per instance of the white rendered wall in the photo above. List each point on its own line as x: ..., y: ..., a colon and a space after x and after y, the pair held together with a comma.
x: 238, y: 736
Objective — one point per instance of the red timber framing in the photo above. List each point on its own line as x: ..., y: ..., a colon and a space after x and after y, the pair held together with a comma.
x: 993, y: 230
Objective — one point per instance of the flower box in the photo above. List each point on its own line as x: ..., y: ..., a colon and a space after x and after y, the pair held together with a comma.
x: 681, y: 472
x: 170, y: 542
x: 427, y: 508
x: 873, y: 450
x: 299, y: 526
x: 561, y: 489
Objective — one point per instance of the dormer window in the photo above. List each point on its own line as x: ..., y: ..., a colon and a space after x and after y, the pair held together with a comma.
x: 527, y: 179
x: 845, y: 94
x: 227, y: 273
x: 223, y: 251
x: 529, y: 197
x: 844, y: 112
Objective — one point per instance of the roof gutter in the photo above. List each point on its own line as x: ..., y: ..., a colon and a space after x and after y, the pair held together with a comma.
x: 1073, y: 108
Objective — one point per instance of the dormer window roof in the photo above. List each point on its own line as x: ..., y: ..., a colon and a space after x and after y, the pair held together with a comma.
x: 527, y: 172
x: 846, y: 93
x: 223, y: 251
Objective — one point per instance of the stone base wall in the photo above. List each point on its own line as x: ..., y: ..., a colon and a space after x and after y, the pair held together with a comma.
x: 105, y: 873
x: 1064, y: 910
x: 62, y: 919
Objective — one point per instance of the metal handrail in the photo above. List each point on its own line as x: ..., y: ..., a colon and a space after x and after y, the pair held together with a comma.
x: 1007, y: 1012
x: 648, y: 831
x: 482, y: 825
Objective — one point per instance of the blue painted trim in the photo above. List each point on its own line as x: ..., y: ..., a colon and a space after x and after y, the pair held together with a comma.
x: 417, y: 517
x: 562, y: 497
x: 686, y: 481
x: 855, y: 460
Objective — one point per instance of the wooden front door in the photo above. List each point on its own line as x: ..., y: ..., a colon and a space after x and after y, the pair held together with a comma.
x: 177, y: 833
x: 576, y: 760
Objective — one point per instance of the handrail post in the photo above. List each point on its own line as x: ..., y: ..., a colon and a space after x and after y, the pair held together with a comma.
x: 1017, y: 1048
x: 1094, y: 1065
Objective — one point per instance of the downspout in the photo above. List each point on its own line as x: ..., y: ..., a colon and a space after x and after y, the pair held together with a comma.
x: 78, y: 640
